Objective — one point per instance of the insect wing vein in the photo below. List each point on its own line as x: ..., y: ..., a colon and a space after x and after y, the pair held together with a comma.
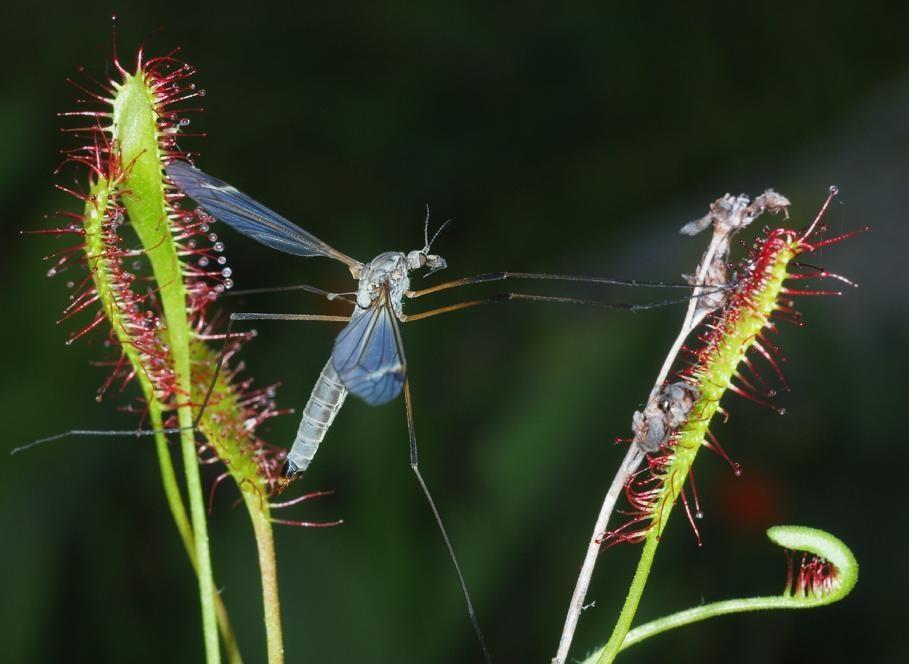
x: 248, y: 216
x: 368, y: 354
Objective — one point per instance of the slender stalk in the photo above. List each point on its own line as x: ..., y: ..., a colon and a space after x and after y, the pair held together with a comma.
x: 630, y: 607
x: 200, y: 539
x: 711, y: 610
x: 630, y: 463
x: 181, y: 520
x: 268, y: 571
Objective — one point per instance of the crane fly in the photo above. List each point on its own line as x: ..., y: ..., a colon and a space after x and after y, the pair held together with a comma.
x: 367, y: 359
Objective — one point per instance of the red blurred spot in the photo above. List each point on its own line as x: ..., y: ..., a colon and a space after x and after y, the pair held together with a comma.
x: 750, y: 502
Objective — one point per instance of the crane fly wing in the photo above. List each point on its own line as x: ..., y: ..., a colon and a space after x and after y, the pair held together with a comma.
x: 249, y: 217
x: 368, y: 354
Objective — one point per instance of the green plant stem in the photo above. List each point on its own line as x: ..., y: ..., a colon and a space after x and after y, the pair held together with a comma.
x: 797, y: 538
x: 135, y: 129
x: 699, y: 613
x: 200, y: 539
x: 258, y: 510
x: 614, y: 645
x: 181, y: 520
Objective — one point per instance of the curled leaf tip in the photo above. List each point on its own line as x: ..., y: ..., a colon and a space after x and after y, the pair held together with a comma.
x: 827, y: 572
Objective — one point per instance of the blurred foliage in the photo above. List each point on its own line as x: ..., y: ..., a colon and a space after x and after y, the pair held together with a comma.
x: 573, y: 140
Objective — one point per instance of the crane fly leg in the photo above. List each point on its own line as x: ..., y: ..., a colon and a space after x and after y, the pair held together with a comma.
x: 414, y: 465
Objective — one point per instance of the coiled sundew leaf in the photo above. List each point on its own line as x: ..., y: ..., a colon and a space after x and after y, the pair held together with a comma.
x: 840, y: 574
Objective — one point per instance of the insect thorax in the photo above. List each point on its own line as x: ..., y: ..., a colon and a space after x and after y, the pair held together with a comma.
x: 389, y: 268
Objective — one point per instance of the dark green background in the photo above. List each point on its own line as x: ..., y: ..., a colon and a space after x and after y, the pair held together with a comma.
x: 574, y: 140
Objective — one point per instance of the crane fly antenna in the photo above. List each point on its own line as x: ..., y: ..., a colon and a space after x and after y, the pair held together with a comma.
x: 426, y: 239
x: 414, y: 465
x: 436, y: 234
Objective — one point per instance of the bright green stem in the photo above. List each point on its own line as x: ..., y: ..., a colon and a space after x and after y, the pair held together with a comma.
x: 631, y: 601
x: 136, y: 134
x: 261, y: 520
x: 181, y: 519
x: 796, y: 538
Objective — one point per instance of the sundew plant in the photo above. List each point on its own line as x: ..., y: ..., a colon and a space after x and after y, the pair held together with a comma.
x: 152, y: 271
x: 144, y: 269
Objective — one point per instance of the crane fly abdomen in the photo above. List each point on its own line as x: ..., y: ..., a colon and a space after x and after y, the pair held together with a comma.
x: 324, y: 403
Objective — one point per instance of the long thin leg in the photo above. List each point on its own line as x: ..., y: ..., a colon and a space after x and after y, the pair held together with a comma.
x: 414, y: 465
x: 312, y: 317
x: 136, y: 433
x: 328, y: 295
x: 501, y: 276
x: 505, y: 297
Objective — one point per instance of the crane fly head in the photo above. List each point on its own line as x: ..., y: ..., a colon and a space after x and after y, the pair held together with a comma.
x: 421, y: 257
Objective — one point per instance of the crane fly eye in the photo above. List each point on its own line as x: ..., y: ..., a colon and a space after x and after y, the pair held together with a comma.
x: 418, y: 259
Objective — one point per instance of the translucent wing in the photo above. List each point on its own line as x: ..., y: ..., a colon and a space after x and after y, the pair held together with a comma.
x: 247, y: 216
x: 368, y: 354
